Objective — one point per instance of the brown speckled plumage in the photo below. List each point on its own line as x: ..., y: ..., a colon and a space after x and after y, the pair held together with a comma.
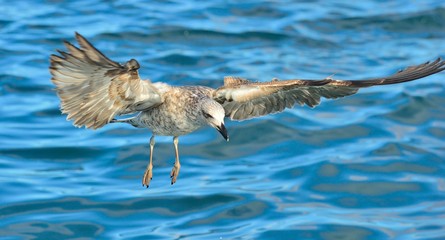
x: 94, y: 90
x: 178, y: 114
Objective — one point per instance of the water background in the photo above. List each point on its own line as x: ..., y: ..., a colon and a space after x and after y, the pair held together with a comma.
x: 369, y: 166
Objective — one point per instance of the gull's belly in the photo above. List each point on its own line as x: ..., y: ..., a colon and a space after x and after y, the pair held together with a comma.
x: 179, y: 114
x: 168, y: 123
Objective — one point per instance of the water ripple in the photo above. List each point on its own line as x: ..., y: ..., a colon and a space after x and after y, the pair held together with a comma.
x: 369, y: 166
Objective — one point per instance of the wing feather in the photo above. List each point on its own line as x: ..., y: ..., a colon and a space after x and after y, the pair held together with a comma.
x: 243, y: 99
x: 94, y: 89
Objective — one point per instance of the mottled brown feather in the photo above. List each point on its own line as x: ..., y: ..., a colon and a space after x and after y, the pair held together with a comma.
x: 94, y: 89
x: 243, y: 99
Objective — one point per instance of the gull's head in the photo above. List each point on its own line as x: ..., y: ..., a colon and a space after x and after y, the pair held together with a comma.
x: 214, y: 114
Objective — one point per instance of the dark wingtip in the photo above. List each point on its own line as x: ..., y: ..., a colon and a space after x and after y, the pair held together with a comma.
x: 78, y: 35
x: 68, y: 44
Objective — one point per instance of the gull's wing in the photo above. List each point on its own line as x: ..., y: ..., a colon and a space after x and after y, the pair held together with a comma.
x: 94, y: 89
x: 243, y: 99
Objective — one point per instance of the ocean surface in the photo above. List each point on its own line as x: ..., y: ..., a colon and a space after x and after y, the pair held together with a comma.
x: 368, y: 166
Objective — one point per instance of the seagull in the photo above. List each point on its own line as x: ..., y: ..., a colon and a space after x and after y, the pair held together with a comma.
x: 94, y: 90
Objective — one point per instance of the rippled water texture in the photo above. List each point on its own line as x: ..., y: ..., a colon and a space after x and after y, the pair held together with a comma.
x: 370, y: 166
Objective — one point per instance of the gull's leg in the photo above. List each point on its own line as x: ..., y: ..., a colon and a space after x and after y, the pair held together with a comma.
x: 175, y: 171
x: 148, y: 175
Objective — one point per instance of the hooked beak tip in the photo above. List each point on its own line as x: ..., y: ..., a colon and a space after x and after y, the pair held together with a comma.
x: 222, y: 129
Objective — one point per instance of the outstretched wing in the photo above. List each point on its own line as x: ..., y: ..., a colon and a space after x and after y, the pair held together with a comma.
x: 243, y: 99
x: 94, y: 89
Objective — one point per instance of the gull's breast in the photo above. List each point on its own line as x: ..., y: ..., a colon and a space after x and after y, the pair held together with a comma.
x: 178, y: 115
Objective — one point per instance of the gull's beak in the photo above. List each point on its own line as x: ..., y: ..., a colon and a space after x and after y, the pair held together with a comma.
x: 222, y: 129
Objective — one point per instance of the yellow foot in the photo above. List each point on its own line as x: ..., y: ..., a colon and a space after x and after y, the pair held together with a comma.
x: 174, y: 173
x: 148, y: 175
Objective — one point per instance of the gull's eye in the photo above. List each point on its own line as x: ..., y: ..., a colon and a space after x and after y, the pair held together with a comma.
x: 206, y: 115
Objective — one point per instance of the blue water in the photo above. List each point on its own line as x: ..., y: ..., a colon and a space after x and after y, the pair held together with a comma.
x: 369, y: 166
